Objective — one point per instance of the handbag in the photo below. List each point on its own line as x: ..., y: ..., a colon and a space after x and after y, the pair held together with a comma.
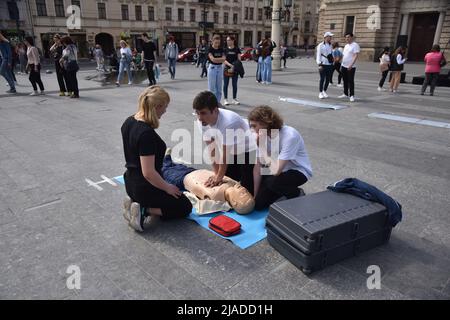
x: 443, y: 61
x: 224, y: 225
x: 71, y: 65
x: 228, y: 72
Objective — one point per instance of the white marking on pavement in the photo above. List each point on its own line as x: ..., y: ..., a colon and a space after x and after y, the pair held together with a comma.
x: 96, y: 184
x: 315, y: 104
x: 394, y: 117
x: 45, y: 204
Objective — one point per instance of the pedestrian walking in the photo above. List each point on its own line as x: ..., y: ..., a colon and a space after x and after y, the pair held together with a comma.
x: 148, y: 58
x: 434, y: 61
x: 34, y: 66
x: 99, y: 56
x: 232, y: 53
x: 348, y: 68
x: 265, y: 61
x: 203, y: 57
x: 397, y: 64
x: 6, y: 63
x: 283, y: 54
x: 171, y: 55
x: 56, y: 50
x: 385, y: 65
x: 22, y: 51
x: 125, y: 62
x: 325, y: 60
x: 216, y: 58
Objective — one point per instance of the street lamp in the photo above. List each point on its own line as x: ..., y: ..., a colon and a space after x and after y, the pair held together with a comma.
x: 278, y: 13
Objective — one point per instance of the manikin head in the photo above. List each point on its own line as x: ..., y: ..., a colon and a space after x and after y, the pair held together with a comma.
x: 240, y: 199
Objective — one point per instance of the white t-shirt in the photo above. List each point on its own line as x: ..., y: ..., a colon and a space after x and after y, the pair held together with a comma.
x: 125, y: 51
x: 350, y: 50
x: 292, y: 148
x: 229, y: 130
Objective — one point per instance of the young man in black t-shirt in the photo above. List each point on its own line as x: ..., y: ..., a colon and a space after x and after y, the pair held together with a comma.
x: 148, y: 58
x: 216, y: 58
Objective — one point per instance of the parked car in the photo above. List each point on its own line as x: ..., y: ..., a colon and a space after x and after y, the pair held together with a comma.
x: 291, y: 52
x: 246, y: 54
x: 187, y: 55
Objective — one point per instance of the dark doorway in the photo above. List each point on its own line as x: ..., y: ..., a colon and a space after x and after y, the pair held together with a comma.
x: 422, y: 35
x: 106, y: 41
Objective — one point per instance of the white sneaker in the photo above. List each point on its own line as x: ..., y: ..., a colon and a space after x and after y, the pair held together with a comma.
x: 321, y: 95
x: 225, y: 102
x: 325, y: 94
x: 235, y: 101
x: 130, y: 83
x: 342, y: 96
x: 340, y: 85
x: 126, y: 208
x: 137, y: 217
x: 381, y: 89
x: 34, y: 93
x: 352, y: 99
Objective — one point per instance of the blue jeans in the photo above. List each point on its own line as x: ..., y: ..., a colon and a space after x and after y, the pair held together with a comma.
x: 215, y: 77
x: 266, y: 69
x: 259, y: 68
x: 6, y: 72
x: 124, y: 65
x: 172, y: 62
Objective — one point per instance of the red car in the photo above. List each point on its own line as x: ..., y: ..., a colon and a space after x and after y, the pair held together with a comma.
x: 187, y: 55
x: 246, y: 54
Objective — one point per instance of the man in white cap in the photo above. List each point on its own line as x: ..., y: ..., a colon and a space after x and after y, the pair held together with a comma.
x: 324, y: 59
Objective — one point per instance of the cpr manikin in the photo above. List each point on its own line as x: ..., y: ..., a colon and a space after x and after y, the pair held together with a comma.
x: 230, y: 191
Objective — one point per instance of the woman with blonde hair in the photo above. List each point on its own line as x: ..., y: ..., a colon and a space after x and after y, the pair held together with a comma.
x: 287, y: 165
x: 397, y: 64
x: 126, y: 56
x: 150, y: 196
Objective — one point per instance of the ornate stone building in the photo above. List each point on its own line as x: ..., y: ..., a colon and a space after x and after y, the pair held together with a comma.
x: 417, y: 24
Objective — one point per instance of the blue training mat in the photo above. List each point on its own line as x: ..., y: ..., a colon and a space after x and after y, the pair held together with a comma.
x: 253, y: 225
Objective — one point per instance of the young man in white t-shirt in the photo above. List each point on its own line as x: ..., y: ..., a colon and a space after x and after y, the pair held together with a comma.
x: 226, y: 132
x: 351, y: 51
x: 287, y: 164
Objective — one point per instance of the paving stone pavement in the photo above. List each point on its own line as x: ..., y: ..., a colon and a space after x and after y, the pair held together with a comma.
x: 50, y: 218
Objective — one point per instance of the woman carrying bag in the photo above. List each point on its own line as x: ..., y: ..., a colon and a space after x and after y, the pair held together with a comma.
x: 69, y: 62
x: 385, y: 64
x: 434, y: 60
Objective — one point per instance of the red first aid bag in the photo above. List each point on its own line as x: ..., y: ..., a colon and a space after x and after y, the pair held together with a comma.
x: 224, y: 225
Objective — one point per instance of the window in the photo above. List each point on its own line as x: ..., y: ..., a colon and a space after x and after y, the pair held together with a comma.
x: 251, y: 14
x: 259, y: 36
x: 248, y: 41
x: 235, y: 18
x: 138, y: 12
x: 13, y: 11
x: 332, y: 26
x: 260, y: 14
x: 180, y: 14
x: 246, y: 13
x: 306, y: 26
x: 101, y: 10
x: 41, y: 8
x: 59, y: 8
x: 192, y: 14
x: 77, y: 3
x: 349, y: 24
x: 216, y: 17
x: 225, y: 18
x: 125, y: 12
x: 151, y: 13
x: 168, y: 13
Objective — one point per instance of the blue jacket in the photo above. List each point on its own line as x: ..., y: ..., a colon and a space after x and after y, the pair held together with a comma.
x: 6, y: 53
x: 366, y: 191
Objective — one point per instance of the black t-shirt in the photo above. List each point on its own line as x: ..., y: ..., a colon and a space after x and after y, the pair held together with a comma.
x: 202, y: 50
x: 232, y: 54
x: 216, y: 53
x: 57, y: 54
x: 149, y: 50
x: 140, y: 139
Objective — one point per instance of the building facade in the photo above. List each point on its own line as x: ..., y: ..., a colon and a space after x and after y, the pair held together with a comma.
x: 417, y: 24
x: 15, y: 20
x: 106, y: 22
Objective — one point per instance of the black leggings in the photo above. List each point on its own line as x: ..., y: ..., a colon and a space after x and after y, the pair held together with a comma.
x: 234, y: 81
x: 150, y: 73
x: 60, y: 75
x: 383, y: 78
x: 273, y: 188
x: 150, y: 197
x: 337, y: 67
x: 35, y: 77
x: 72, y: 82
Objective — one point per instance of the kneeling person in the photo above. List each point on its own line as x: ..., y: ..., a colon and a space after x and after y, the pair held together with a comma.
x: 289, y: 169
x: 144, y: 152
